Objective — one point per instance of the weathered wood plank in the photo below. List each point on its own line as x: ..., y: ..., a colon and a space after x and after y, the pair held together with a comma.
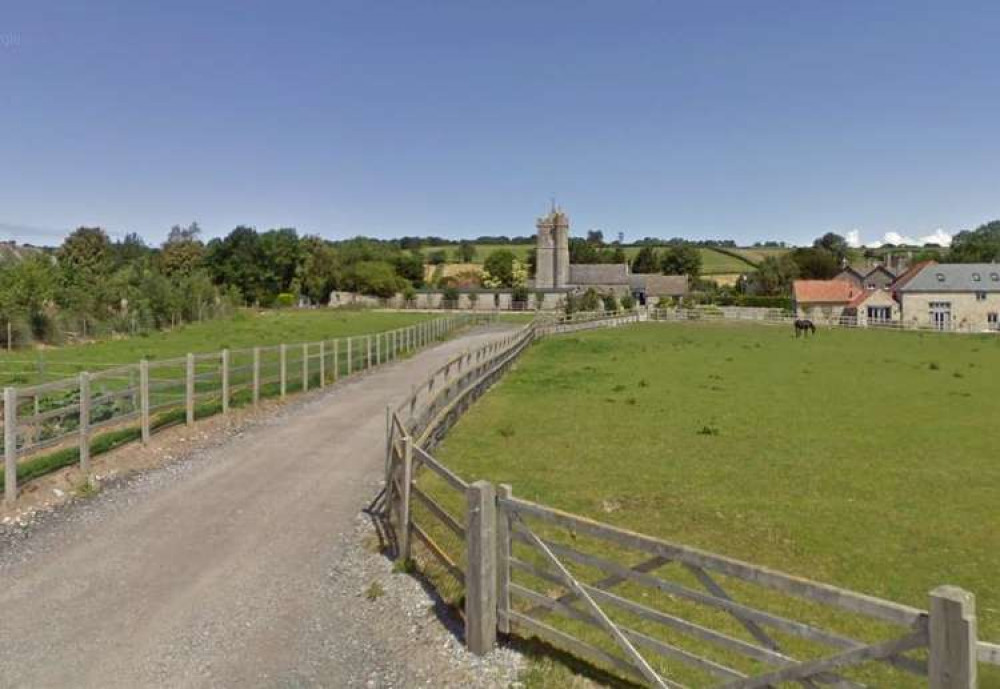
x: 438, y: 511
x: 438, y: 552
x: 855, y: 656
x: 663, y: 648
x: 824, y: 593
x: 450, y: 477
x: 630, y: 651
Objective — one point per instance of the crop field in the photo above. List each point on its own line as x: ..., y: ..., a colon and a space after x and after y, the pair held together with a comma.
x: 245, y: 329
x: 862, y: 459
x: 712, y: 262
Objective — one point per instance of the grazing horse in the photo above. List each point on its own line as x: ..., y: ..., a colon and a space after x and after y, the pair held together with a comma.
x: 804, y: 327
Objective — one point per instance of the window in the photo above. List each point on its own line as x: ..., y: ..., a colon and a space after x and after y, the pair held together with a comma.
x: 980, y: 296
x: 976, y: 277
x: 995, y: 277
x: 992, y: 321
x: 940, y: 277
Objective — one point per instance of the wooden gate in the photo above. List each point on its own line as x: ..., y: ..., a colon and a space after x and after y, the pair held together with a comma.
x: 675, y: 616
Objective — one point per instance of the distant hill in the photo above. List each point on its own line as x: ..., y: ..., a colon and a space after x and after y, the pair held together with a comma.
x: 12, y: 251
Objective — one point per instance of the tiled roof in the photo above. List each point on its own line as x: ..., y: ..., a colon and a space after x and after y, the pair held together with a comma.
x: 598, y: 274
x: 955, y: 277
x: 659, y: 285
x: 911, y: 273
x: 824, y: 291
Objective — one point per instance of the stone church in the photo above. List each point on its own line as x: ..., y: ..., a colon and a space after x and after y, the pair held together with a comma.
x: 554, y: 272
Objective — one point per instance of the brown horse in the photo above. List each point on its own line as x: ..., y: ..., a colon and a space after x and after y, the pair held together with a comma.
x: 804, y: 327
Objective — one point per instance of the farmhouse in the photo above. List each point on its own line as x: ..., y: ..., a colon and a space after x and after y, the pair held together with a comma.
x: 952, y: 296
x: 867, y: 277
x: 824, y: 300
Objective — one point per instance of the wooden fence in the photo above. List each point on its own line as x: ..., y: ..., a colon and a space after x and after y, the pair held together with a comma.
x: 133, y: 401
x: 659, y: 613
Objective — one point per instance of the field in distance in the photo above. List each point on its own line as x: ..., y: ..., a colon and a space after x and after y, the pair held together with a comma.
x: 857, y: 458
x: 712, y: 262
x: 245, y: 329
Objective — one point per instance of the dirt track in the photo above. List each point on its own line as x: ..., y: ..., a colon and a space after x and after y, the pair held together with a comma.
x: 219, y: 573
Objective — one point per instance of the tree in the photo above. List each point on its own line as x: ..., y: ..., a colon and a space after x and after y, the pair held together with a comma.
x: 87, y: 250
x: 981, y: 245
x: 438, y: 257
x: 816, y: 263
x: 681, y: 260
x: 775, y: 274
x: 184, y: 234
x: 646, y: 261
x: 281, y: 255
x: 374, y: 277
x: 499, y: 269
x: 834, y: 243
x: 410, y: 266
x: 321, y: 270
x: 239, y: 260
x: 182, y: 256
x: 595, y: 237
x: 466, y: 251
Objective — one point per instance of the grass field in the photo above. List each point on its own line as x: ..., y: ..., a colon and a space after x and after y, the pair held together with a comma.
x: 245, y: 329
x: 857, y: 458
x: 712, y: 262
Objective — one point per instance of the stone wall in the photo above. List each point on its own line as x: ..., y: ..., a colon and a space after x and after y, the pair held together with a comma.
x: 967, y: 313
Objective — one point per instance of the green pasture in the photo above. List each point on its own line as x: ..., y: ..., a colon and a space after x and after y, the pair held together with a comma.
x: 245, y: 329
x: 862, y: 459
x: 712, y: 262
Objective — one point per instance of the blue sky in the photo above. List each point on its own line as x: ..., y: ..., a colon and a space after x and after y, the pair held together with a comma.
x: 744, y: 120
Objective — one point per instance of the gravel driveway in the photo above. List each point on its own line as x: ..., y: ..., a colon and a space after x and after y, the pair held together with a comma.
x: 243, y: 565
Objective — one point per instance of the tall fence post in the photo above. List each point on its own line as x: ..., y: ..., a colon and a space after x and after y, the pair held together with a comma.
x: 189, y: 390
x: 404, y: 511
x: 85, y: 424
x: 349, y: 356
x: 503, y: 560
x: 10, y: 445
x: 144, y: 401
x: 305, y: 367
x: 481, y: 572
x: 256, y: 376
x: 336, y: 363
x: 368, y: 348
x: 225, y: 381
x: 282, y: 354
x: 322, y: 363
x: 952, y: 663
x: 378, y: 349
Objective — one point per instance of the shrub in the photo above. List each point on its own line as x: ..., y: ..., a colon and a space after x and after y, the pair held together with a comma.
x: 628, y: 302
x: 285, y: 300
x: 449, y: 297
x: 610, y: 302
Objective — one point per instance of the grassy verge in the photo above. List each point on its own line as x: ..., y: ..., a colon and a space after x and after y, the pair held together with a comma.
x: 857, y: 458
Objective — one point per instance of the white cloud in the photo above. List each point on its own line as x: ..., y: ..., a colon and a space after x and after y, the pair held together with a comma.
x: 854, y: 239
x: 939, y: 236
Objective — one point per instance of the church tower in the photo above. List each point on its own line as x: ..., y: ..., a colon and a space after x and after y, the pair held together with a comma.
x: 552, y: 266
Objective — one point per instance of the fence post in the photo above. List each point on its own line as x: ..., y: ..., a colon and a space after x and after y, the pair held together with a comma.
x: 404, y: 512
x: 336, y: 362
x: 349, y: 356
x: 305, y: 367
x: 225, y: 381
x: 952, y: 639
x: 378, y: 349
x: 503, y: 561
x: 368, y: 349
x: 144, y: 400
x: 284, y: 369
x: 481, y: 572
x: 10, y: 445
x: 322, y: 363
x: 189, y: 390
x: 85, y: 424
x: 256, y: 376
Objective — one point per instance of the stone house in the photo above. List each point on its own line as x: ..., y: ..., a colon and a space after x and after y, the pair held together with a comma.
x: 823, y: 301
x: 953, y: 296
x: 872, y: 307
x: 867, y: 277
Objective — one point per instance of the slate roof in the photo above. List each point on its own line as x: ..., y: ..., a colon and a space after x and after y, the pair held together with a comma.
x: 824, y: 291
x: 911, y: 273
x: 955, y: 277
x: 585, y: 274
x: 659, y: 285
